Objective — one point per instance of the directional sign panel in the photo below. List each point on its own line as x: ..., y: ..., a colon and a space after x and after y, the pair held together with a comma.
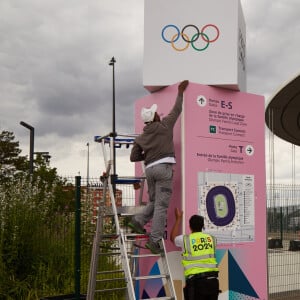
x: 224, y: 181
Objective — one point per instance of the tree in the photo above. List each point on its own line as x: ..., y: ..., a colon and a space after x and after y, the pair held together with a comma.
x: 11, y: 162
x: 44, y: 180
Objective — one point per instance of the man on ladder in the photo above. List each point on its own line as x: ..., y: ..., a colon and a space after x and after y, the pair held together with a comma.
x: 155, y: 147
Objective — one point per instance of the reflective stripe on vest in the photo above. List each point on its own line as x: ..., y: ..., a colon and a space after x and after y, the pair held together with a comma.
x: 190, y: 257
x: 206, y: 266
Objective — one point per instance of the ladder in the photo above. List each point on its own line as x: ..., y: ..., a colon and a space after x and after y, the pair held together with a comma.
x: 116, y: 252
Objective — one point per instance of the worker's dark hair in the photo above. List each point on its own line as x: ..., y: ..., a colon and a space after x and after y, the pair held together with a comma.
x: 196, y: 223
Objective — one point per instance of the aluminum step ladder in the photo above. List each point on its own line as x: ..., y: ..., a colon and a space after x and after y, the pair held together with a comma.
x: 117, y: 253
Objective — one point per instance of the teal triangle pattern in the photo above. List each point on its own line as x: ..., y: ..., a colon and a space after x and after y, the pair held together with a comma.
x: 220, y: 254
x: 238, y: 296
x: 238, y: 282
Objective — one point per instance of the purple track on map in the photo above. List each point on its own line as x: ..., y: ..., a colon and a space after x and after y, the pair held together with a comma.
x: 210, y: 205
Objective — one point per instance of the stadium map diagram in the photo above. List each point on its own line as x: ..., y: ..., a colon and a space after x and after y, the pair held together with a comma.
x: 227, y: 203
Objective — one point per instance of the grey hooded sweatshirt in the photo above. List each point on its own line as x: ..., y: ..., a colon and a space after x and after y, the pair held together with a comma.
x: 156, y: 141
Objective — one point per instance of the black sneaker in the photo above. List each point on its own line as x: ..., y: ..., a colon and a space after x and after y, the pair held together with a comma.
x: 135, y: 226
x: 153, y: 247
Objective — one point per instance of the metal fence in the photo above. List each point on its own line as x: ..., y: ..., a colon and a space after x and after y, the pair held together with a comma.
x: 283, y: 229
x: 283, y: 235
x: 69, y: 238
x: 91, y: 194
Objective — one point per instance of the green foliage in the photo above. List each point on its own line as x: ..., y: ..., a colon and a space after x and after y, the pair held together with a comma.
x: 36, y: 227
x: 11, y: 163
x: 37, y: 215
x: 33, y: 240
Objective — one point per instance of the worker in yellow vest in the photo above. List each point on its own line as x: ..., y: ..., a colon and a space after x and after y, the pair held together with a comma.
x: 198, y: 259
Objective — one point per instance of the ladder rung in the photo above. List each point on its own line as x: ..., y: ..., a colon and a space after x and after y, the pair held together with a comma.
x: 110, y: 279
x: 144, y: 255
x: 146, y: 277
x: 110, y: 236
x: 161, y: 298
x: 135, y: 237
x: 122, y: 211
x: 108, y: 247
x: 111, y: 290
x: 110, y: 253
x: 109, y: 272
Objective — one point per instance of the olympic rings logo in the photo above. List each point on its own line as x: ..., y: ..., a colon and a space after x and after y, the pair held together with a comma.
x: 204, y: 39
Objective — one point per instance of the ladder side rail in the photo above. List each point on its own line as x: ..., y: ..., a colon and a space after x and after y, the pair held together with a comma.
x: 97, y: 236
x: 123, y: 250
x: 106, y: 162
x: 167, y: 269
x: 111, y: 191
x: 126, y: 266
x: 114, y: 207
x: 95, y: 250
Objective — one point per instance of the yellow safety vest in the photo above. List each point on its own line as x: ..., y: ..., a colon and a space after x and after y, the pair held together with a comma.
x: 199, y: 254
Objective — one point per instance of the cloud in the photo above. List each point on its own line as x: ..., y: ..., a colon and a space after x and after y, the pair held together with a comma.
x: 54, y: 71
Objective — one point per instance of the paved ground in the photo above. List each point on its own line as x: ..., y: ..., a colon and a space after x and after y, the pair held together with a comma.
x: 295, y: 295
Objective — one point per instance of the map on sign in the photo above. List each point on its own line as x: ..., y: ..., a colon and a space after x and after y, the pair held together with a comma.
x: 227, y: 203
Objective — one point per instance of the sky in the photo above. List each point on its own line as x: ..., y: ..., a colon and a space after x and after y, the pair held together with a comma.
x: 55, y: 74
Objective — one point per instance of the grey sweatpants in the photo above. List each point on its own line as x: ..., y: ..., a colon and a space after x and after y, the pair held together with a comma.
x: 159, y: 179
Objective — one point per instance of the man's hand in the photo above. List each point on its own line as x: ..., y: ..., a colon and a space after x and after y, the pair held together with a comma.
x: 182, y: 86
x: 175, y: 229
x: 178, y: 214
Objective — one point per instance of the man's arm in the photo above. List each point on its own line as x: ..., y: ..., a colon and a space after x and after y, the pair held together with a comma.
x: 178, y: 221
x: 182, y: 86
x: 173, y: 115
x: 137, y: 153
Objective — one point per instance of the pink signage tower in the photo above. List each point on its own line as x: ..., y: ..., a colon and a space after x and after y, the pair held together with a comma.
x: 219, y: 138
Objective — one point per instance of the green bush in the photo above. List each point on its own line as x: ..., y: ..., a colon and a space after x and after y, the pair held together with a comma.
x: 36, y: 243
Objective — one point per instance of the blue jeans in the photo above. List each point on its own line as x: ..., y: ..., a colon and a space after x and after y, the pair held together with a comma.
x: 159, y: 180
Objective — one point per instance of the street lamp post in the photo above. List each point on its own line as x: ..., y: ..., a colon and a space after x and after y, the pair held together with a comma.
x: 112, y: 63
x: 31, y: 148
x: 88, y: 173
x: 88, y: 166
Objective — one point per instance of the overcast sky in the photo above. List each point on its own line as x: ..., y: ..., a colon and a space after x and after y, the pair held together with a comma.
x: 54, y: 73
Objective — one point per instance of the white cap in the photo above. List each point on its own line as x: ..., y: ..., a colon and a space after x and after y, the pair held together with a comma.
x: 148, y: 114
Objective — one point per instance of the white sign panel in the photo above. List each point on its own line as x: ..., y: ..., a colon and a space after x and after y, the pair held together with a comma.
x: 200, y: 40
